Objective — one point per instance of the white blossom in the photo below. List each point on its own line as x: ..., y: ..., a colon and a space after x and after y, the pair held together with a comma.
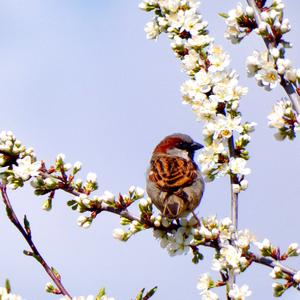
x: 119, y: 234
x: 60, y: 157
x: 231, y: 255
x: 276, y: 272
x: 284, y: 119
x: 205, y: 282
x: 238, y: 166
x: 244, y: 239
x: 108, y: 196
x: 84, y: 222
x: 267, y: 77
x: 144, y: 202
x: 296, y: 277
x: 152, y: 30
x: 241, y: 293
x: 26, y: 168
x: 5, y: 295
x: 274, y: 52
x: 91, y: 177
x: 234, y: 32
x: 293, y: 249
x: 209, y: 295
x: 265, y: 244
x: 77, y: 166
x: 249, y: 11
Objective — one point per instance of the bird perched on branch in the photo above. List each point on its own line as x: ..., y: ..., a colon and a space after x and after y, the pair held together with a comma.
x: 174, y: 182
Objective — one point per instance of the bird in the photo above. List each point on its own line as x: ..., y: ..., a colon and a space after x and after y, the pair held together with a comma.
x: 173, y: 180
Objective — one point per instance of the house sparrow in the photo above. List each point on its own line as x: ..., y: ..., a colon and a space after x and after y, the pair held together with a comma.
x: 174, y: 182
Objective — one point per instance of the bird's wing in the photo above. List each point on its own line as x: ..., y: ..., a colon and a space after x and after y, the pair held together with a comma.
x: 171, y: 173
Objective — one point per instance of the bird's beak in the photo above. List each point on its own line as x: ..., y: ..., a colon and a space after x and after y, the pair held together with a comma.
x: 196, y: 146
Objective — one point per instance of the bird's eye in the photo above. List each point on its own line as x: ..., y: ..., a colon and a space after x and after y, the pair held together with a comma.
x: 183, y: 145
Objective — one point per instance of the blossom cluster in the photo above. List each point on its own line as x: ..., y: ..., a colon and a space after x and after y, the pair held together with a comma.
x: 189, y: 236
x: 84, y: 203
x: 284, y: 118
x: 290, y: 279
x: 6, y: 295
x: 231, y: 254
x: 17, y: 163
x: 62, y: 175
x: 240, y: 22
x: 212, y: 90
x: 269, y: 67
x: 205, y: 283
x: 177, y: 241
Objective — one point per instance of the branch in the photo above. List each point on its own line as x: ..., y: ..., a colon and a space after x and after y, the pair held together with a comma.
x: 287, y: 86
x: 233, y: 180
x: 215, y: 244
x: 27, y: 236
x: 271, y: 263
x: 234, y: 210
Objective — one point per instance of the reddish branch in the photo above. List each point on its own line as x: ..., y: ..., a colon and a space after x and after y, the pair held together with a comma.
x: 27, y: 236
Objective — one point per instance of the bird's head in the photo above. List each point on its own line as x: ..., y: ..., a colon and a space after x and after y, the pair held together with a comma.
x: 178, y: 144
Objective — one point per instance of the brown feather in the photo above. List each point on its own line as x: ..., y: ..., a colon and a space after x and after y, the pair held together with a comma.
x: 171, y: 173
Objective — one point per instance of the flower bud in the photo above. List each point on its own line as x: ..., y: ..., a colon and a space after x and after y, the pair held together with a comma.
x: 139, y: 192
x: 84, y: 222
x: 274, y: 52
x: 47, y: 204
x: 249, y: 11
x: 296, y: 277
x: 91, y: 177
x: 120, y: 234
x: 262, y: 27
x: 49, y: 287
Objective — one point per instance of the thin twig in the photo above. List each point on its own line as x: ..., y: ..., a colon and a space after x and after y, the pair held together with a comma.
x: 287, y: 86
x: 269, y: 262
x: 27, y: 236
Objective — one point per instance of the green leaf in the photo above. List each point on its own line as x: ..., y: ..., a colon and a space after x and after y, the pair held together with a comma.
x: 223, y: 15
x: 27, y: 253
x: 71, y: 202
x: 27, y: 226
x: 125, y: 221
x: 150, y: 293
x: 47, y: 204
x: 197, y: 256
x: 286, y: 44
x: 100, y: 294
x: 7, y: 285
x: 57, y: 275
x: 140, y: 294
x: 75, y: 207
x: 40, y: 192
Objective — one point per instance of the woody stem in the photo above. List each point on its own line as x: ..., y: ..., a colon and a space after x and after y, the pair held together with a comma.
x: 234, y: 208
x: 27, y: 236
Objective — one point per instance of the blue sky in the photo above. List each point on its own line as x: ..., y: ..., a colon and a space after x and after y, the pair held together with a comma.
x: 79, y: 77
